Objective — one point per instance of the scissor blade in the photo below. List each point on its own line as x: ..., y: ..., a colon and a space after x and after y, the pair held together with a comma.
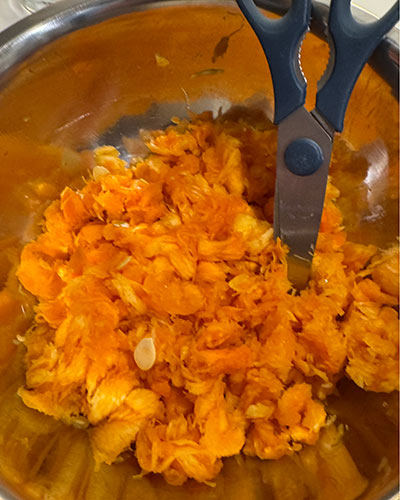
x: 299, y: 199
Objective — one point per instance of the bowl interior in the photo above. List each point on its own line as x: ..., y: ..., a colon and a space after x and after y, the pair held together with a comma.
x: 101, y: 85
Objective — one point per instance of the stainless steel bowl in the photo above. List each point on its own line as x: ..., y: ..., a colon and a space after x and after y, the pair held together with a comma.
x: 81, y: 74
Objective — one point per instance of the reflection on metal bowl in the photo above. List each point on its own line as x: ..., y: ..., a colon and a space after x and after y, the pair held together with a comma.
x: 85, y: 73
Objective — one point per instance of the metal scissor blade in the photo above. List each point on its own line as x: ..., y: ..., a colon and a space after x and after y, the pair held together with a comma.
x: 299, y: 199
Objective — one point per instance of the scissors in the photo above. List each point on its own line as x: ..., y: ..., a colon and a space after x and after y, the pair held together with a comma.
x: 305, y: 138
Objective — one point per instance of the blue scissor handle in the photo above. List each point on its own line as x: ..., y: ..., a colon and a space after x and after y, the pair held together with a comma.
x: 353, y: 44
x: 280, y: 39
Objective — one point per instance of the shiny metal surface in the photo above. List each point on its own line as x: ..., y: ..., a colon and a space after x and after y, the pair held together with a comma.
x: 33, y: 32
x: 25, y: 37
x: 57, y: 91
x: 299, y: 199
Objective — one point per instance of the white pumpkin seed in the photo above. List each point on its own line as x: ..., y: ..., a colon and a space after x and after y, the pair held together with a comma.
x: 145, y: 354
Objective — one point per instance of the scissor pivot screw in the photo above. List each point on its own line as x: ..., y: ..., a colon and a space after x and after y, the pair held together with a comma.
x: 303, y: 156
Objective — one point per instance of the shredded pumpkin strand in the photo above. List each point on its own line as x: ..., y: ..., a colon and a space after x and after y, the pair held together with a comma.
x: 165, y: 318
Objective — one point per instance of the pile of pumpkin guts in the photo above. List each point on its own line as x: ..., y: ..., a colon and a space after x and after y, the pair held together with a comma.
x: 165, y: 322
